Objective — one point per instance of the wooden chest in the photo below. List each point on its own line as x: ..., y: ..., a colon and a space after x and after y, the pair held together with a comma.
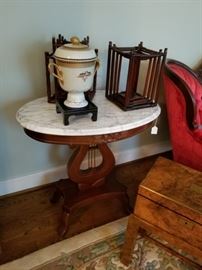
x: 169, y: 203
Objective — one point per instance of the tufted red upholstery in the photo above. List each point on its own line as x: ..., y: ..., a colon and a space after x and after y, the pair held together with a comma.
x: 183, y: 93
x: 194, y: 86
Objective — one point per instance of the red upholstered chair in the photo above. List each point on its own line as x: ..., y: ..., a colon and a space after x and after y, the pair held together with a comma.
x: 183, y: 94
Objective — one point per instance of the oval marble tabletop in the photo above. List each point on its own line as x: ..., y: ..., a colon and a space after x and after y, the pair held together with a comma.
x: 40, y: 116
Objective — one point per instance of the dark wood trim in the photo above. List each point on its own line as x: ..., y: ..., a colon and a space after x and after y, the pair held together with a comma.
x: 89, y: 139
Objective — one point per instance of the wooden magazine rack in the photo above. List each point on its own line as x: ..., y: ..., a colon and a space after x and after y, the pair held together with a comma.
x: 139, y: 92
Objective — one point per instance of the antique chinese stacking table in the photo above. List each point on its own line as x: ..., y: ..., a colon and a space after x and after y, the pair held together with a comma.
x: 84, y: 186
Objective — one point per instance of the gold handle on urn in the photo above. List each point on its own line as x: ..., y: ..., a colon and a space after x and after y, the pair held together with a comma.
x: 97, y: 65
x: 59, y: 74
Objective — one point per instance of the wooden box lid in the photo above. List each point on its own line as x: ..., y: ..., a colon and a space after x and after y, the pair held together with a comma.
x: 174, y: 186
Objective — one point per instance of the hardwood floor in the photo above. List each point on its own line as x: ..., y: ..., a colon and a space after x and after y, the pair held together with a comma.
x: 28, y: 221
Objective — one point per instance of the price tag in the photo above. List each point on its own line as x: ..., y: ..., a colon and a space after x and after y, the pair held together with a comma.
x: 154, y: 130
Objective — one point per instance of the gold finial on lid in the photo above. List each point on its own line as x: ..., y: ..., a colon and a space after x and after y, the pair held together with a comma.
x: 75, y: 40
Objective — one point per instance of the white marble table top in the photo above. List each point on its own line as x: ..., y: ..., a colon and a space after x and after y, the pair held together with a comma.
x: 40, y: 116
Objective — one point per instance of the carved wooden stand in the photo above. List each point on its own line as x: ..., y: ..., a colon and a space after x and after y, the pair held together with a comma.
x: 67, y: 112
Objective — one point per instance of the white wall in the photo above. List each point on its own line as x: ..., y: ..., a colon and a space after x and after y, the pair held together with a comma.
x: 26, y: 29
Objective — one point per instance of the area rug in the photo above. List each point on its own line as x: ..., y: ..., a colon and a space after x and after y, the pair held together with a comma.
x: 105, y: 255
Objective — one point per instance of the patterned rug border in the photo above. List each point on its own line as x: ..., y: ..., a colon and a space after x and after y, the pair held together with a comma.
x: 106, y: 253
x: 110, y: 239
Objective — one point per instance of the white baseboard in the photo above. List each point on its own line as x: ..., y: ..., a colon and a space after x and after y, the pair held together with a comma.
x: 52, y: 175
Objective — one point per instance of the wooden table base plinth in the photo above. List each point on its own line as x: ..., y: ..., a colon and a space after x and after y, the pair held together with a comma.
x: 75, y: 198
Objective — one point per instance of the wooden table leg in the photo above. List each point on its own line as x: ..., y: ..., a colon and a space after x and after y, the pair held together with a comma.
x: 64, y: 225
x: 130, y: 237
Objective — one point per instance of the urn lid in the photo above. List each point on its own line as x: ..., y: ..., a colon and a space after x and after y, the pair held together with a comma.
x: 75, y: 52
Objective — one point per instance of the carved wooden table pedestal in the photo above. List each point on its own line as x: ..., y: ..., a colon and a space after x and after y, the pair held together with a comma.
x: 169, y: 204
x: 89, y: 139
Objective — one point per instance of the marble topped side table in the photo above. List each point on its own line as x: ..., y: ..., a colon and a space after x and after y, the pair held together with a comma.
x: 41, y: 122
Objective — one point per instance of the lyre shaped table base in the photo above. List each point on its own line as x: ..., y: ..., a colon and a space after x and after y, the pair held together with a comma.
x: 87, y: 186
x: 95, y: 175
